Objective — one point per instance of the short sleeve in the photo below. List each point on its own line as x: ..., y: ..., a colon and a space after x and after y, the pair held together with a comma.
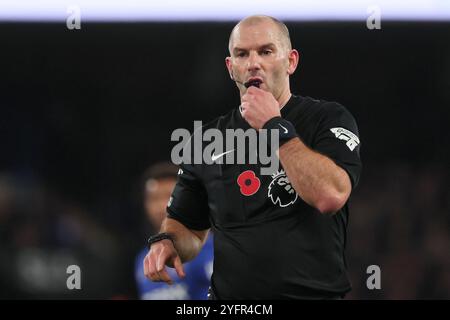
x: 337, y: 137
x: 189, y: 202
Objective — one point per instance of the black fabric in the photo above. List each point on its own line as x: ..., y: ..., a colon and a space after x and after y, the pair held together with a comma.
x: 270, y: 244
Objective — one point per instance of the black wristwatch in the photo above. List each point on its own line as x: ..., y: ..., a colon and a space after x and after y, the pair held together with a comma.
x: 158, y: 237
x: 285, y: 128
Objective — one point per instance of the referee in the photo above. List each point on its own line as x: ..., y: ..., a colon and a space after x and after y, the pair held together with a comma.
x: 279, y: 236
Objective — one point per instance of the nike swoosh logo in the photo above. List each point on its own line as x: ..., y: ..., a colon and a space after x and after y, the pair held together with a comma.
x: 285, y: 130
x: 215, y: 157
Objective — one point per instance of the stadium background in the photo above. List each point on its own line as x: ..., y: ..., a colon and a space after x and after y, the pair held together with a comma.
x: 84, y: 112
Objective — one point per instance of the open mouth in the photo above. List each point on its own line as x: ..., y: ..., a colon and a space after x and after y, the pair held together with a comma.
x: 253, y: 82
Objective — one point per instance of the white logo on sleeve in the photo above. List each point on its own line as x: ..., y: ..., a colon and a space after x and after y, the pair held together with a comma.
x: 346, y: 135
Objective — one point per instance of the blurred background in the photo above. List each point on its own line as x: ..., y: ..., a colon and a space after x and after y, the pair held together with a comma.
x: 84, y: 112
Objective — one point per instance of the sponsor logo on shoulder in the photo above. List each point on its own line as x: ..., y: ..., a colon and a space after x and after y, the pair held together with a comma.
x: 352, y: 140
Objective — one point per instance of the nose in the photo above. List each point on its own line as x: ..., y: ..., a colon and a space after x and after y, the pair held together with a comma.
x: 253, y: 62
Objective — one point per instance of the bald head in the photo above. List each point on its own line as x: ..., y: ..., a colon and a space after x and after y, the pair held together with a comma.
x: 282, y: 30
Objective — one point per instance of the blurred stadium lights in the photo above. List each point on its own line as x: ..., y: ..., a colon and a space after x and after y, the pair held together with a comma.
x: 206, y: 10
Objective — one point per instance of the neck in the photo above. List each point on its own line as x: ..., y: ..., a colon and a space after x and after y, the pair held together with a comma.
x: 284, y: 97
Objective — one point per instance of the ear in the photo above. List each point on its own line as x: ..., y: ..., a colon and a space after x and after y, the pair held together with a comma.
x: 293, y: 58
x: 229, y: 66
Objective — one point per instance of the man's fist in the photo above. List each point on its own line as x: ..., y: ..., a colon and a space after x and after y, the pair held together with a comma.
x: 162, y: 253
x: 258, y: 107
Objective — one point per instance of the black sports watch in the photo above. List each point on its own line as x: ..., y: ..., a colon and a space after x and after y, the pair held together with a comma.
x: 158, y: 237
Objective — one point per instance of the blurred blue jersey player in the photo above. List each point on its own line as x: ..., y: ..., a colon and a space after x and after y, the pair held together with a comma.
x: 159, y: 181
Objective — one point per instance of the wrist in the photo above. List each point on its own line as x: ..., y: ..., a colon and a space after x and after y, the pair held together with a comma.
x: 286, y: 130
x: 159, y: 237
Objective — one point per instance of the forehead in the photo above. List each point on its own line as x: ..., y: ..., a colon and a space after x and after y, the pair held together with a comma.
x: 255, y: 35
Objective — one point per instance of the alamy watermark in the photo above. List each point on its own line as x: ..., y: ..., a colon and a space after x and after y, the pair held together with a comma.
x: 373, y: 21
x: 74, y: 279
x: 73, y: 21
x: 259, y: 146
x: 374, y: 280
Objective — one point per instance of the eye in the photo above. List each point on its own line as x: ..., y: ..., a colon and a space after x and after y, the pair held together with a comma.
x: 266, y: 52
x: 241, y: 54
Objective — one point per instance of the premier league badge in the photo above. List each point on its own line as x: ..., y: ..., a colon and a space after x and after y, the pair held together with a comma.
x: 280, y: 190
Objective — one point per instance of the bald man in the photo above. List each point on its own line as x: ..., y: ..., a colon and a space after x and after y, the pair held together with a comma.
x: 279, y: 236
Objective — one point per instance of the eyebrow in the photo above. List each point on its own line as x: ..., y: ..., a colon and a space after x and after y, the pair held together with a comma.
x: 264, y: 46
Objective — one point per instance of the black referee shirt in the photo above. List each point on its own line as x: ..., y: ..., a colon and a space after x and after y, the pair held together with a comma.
x: 268, y: 243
